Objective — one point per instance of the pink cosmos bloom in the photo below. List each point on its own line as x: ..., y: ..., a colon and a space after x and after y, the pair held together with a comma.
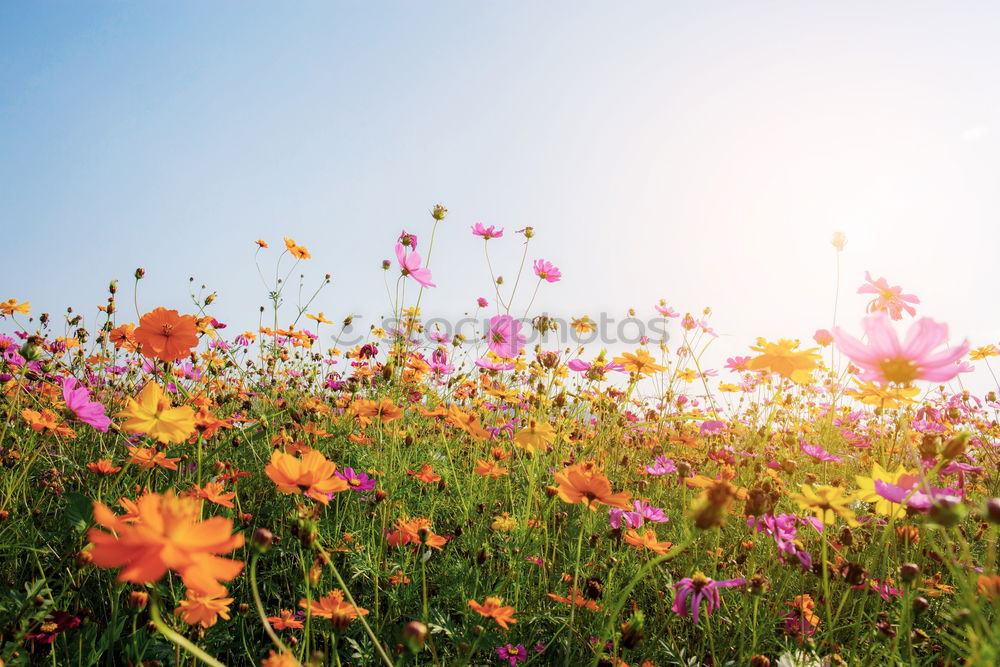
x: 817, y: 452
x: 698, y: 588
x: 912, y: 492
x: 823, y: 337
x: 408, y: 240
x: 77, y: 399
x: 482, y: 303
x: 737, y: 363
x: 885, y: 360
x: 504, y: 337
x: 547, y: 271
x: 490, y: 365
x: 410, y: 264
x: 890, y: 299
x: 667, y: 311
x: 661, y: 466
x: 486, y: 232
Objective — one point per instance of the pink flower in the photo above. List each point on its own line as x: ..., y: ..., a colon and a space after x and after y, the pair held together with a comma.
x: 547, y: 271
x: 817, y: 452
x: 890, y: 299
x: 77, y: 399
x: 884, y: 359
x: 482, y: 303
x: 486, y: 232
x: 737, y: 363
x: 410, y: 264
x: 490, y: 365
x: 666, y: 311
x: 823, y: 337
x: 408, y: 240
x: 698, y: 588
x: 504, y: 337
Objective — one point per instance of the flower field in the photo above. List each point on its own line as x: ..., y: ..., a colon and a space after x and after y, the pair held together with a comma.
x: 174, y: 491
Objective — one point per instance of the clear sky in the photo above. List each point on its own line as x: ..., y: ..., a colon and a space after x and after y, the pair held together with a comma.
x: 702, y: 152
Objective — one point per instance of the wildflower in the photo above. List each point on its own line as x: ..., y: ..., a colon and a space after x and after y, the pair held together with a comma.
x: 884, y: 359
x: 826, y: 502
x: 357, y: 481
x: 103, y: 467
x: 642, y: 362
x: 261, y: 243
x: 426, y: 474
x: 817, y: 452
x: 319, y: 319
x: 661, y: 466
x: 11, y: 306
x: 803, y: 620
x: 54, y: 624
x: 285, y: 620
x: 489, y: 469
x: 279, y: 660
x: 988, y: 586
x: 889, y: 299
x: 512, y: 654
x: 152, y: 415
x: 785, y: 359
x: 313, y: 475
x: 148, y: 457
x: 299, y: 252
x: 409, y: 263
x: 536, y: 436
x: 867, y: 492
x: 504, y: 522
x: 666, y: 311
x: 504, y: 337
x: 575, y: 598
x: 384, y: 410
x: 166, y: 334
x: 333, y: 607
x: 493, y: 607
x: 647, y: 540
x: 481, y: 302
x: 77, y: 399
x: 547, y: 271
x: 124, y: 337
x: 166, y: 535
x: 214, y: 492
x: 46, y: 421
x: 583, y: 483
x: 407, y: 240
x: 823, y: 337
x: 839, y: 240
x: 692, y: 590
x: 204, y: 610
x: 883, y: 396
x: 486, y: 232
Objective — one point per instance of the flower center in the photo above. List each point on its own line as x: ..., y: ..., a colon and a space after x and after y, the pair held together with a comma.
x: 898, y: 370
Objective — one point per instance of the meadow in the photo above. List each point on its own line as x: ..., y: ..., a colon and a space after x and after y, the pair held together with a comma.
x: 177, y: 492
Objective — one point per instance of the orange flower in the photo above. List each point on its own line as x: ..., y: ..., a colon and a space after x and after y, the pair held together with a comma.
x: 167, y: 535
x: 333, y: 607
x: 166, y: 334
x: 415, y: 531
x: 297, y: 251
x: 582, y: 482
x: 576, y: 599
x: 262, y: 243
x: 426, y: 474
x: 647, y: 540
x: 312, y: 475
x: 214, y: 492
x: 103, y: 467
x: 988, y: 586
x: 468, y: 422
x: 284, y: 620
x: 280, y: 660
x: 46, y: 421
x: 493, y: 608
x: 148, y: 457
x: 489, y: 468
x: 385, y: 410
x: 124, y: 337
x: 204, y: 610
x: 11, y: 306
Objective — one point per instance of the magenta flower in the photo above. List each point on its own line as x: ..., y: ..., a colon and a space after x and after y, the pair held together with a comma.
x: 698, y: 588
x: 486, y: 232
x: 667, y: 311
x: 911, y: 491
x: 889, y: 299
x: 817, y: 452
x: 410, y: 264
x: 482, y: 303
x: 488, y: 364
x: 885, y: 360
x: 823, y: 337
x: 547, y: 271
x: 357, y: 481
x: 408, y: 240
x: 736, y: 364
x: 504, y: 337
x: 512, y: 654
x: 661, y: 466
x: 77, y: 399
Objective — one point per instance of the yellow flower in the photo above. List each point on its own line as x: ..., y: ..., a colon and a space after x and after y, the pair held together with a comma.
x: 153, y: 415
x: 642, y: 362
x: 883, y: 396
x: 688, y: 375
x: 866, y: 490
x: 504, y: 522
x: 583, y: 324
x: 785, y: 359
x: 11, y: 306
x: 826, y: 502
x: 535, y: 436
x: 984, y: 352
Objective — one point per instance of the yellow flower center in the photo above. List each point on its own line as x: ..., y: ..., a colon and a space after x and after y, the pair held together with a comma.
x: 898, y: 370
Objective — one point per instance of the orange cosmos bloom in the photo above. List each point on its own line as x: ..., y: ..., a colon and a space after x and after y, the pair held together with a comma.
x: 333, y: 607
x: 11, y: 306
x: 299, y: 252
x: 46, y: 421
x: 203, y: 610
x: 284, y: 620
x: 576, y: 599
x: 312, y: 475
x: 642, y: 362
x: 988, y: 586
x: 280, y: 660
x: 489, y: 468
x: 166, y: 334
x: 426, y: 474
x: 153, y: 415
x: 262, y: 243
x: 385, y: 410
x: 124, y: 337
x: 148, y: 457
x: 103, y: 467
x: 584, y: 483
x: 468, y: 422
x: 167, y: 535
x: 214, y: 492
x: 647, y: 540
x: 493, y: 608
x: 415, y: 531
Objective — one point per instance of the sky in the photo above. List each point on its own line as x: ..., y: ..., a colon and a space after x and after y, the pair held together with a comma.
x: 701, y: 152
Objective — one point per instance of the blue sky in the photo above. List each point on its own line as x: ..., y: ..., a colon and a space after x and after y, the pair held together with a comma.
x: 700, y: 152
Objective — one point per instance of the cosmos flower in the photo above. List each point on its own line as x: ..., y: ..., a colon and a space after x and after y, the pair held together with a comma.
x: 817, y: 452
x: 886, y: 360
x: 77, y: 399
x: 504, y: 337
x: 889, y: 299
x: 203, y: 610
x: 691, y: 591
x: 486, y: 232
x: 357, y: 481
x: 512, y: 654
x: 299, y: 252
x: 313, y: 475
x: 494, y: 608
x: 826, y: 502
x: 409, y: 263
x: 166, y: 334
x: 785, y: 359
x: 152, y: 414
x: 584, y: 483
x: 641, y: 362
x: 547, y: 271
x: 332, y: 606
x: 11, y: 306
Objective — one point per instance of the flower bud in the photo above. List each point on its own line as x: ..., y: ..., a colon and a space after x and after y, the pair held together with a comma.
x: 262, y: 539
x: 415, y: 634
x: 139, y: 273
x: 439, y: 211
x: 138, y: 599
x: 908, y: 572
